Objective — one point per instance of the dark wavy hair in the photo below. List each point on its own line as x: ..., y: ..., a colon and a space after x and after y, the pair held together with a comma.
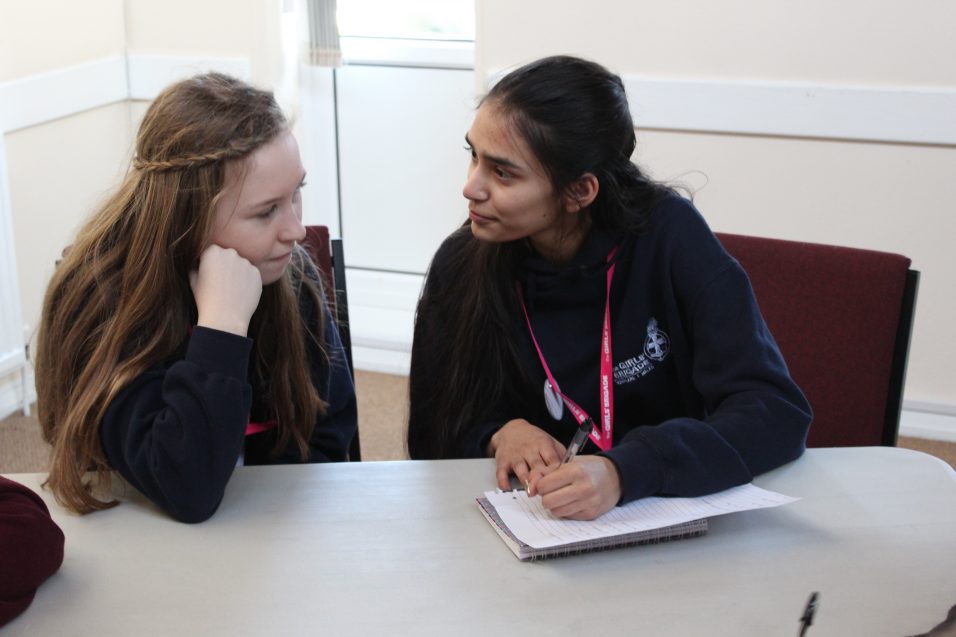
x: 574, y: 116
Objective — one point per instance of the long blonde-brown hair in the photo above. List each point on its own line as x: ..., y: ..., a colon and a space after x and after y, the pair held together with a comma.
x: 120, y: 300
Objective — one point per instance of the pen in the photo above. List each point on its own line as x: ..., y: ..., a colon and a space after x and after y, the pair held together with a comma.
x: 806, y: 620
x: 578, y: 440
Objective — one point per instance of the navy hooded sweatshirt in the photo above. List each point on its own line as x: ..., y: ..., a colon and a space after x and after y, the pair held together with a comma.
x: 703, y: 400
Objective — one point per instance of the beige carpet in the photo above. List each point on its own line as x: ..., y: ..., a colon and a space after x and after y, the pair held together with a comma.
x: 383, y: 411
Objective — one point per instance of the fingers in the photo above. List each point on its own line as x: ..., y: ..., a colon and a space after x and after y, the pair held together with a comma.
x: 227, y: 288
x: 532, y: 485
x: 501, y: 474
x: 505, y: 470
x: 559, y: 479
x: 519, y: 467
x: 582, y: 508
x: 581, y: 490
x: 553, y: 454
x: 521, y: 471
x: 523, y: 449
x: 538, y: 473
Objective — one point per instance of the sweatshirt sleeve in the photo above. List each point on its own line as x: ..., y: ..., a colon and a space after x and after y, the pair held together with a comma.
x: 176, y: 433
x: 750, y: 415
x: 31, y: 547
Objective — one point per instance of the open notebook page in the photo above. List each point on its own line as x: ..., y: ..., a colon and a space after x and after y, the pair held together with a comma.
x: 534, y: 525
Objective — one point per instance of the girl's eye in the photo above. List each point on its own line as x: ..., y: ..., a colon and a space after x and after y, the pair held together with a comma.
x: 297, y: 195
x: 471, y: 151
x: 265, y: 214
x: 502, y: 174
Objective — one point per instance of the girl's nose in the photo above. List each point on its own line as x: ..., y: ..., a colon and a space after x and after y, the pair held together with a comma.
x: 474, y: 189
x: 293, y: 230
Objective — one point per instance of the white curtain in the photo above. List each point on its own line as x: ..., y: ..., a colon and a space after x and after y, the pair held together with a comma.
x: 323, y: 47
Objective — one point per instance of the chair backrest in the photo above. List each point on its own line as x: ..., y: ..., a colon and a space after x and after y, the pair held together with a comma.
x: 843, y: 319
x: 329, y: 257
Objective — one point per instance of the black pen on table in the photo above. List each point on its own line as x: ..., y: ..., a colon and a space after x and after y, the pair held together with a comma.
x: 806, y: 620
x: 578, y: 440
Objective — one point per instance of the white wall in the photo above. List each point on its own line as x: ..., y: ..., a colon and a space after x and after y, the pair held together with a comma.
x: 247, y: 31
x: 895, y: 197
x: 45, y: 35
x: 65, y: 111
x: 45, y: 172
x: 890, y: 196
x: 852, y: 41
x: 58, y: 172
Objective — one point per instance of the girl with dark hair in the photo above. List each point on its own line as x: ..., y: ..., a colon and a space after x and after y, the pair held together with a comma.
x: 185, y: 330
x: 581, y: 294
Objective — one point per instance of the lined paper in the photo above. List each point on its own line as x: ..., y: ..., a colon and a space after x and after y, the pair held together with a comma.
x: 535, y: 526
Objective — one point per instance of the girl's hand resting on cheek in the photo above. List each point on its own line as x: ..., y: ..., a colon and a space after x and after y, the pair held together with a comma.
x: 520, y: 448
x: 582, y: 489
x: 227, y: 288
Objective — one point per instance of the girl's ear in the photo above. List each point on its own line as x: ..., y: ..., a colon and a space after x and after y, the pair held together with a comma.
x: 581, y: 193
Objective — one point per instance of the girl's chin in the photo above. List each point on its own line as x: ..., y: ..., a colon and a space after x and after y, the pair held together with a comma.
x: 489, y: 232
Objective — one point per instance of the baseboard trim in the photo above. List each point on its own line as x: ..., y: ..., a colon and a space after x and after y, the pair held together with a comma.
x: 923, y: 422
x: 882, y: 113
x: 930, y: 420
x: 897, y: 114
x: 907, y: 114
x: 382, y: 319
x: 11, y: 392
x: 44, y: 97
x: 382, y: 361
x: 433, y: 54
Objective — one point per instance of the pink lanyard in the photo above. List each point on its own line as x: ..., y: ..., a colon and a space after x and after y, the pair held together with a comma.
x: 602, y: 436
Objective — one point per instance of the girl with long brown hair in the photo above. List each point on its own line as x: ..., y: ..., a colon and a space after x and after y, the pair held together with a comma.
x: 185, y: 331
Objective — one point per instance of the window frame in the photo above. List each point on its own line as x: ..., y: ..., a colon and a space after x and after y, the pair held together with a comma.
x: 426, y: 53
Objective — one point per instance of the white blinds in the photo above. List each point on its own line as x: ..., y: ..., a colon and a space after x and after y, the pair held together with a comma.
x: 323, y: 48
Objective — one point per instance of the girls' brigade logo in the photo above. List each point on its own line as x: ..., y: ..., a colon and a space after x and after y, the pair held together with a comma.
x: 657, y: 344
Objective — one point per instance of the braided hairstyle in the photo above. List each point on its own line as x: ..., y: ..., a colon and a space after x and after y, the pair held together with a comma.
x: 120, y: 301
x: 205, y: 120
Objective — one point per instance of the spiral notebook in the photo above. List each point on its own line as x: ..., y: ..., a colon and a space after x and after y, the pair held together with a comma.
x: 532, y: 533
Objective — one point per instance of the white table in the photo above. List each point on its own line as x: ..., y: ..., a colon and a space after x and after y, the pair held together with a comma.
x: 400, y: 548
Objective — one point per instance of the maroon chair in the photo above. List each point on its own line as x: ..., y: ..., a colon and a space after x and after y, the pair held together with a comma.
x: 843, y: 319
x: 328, y: 256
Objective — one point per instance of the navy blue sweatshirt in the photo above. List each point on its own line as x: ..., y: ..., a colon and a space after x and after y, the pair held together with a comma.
x: 702, y: 397
x: 177, y: 431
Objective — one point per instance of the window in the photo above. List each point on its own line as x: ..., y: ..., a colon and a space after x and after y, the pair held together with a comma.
x: 407, y: 19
